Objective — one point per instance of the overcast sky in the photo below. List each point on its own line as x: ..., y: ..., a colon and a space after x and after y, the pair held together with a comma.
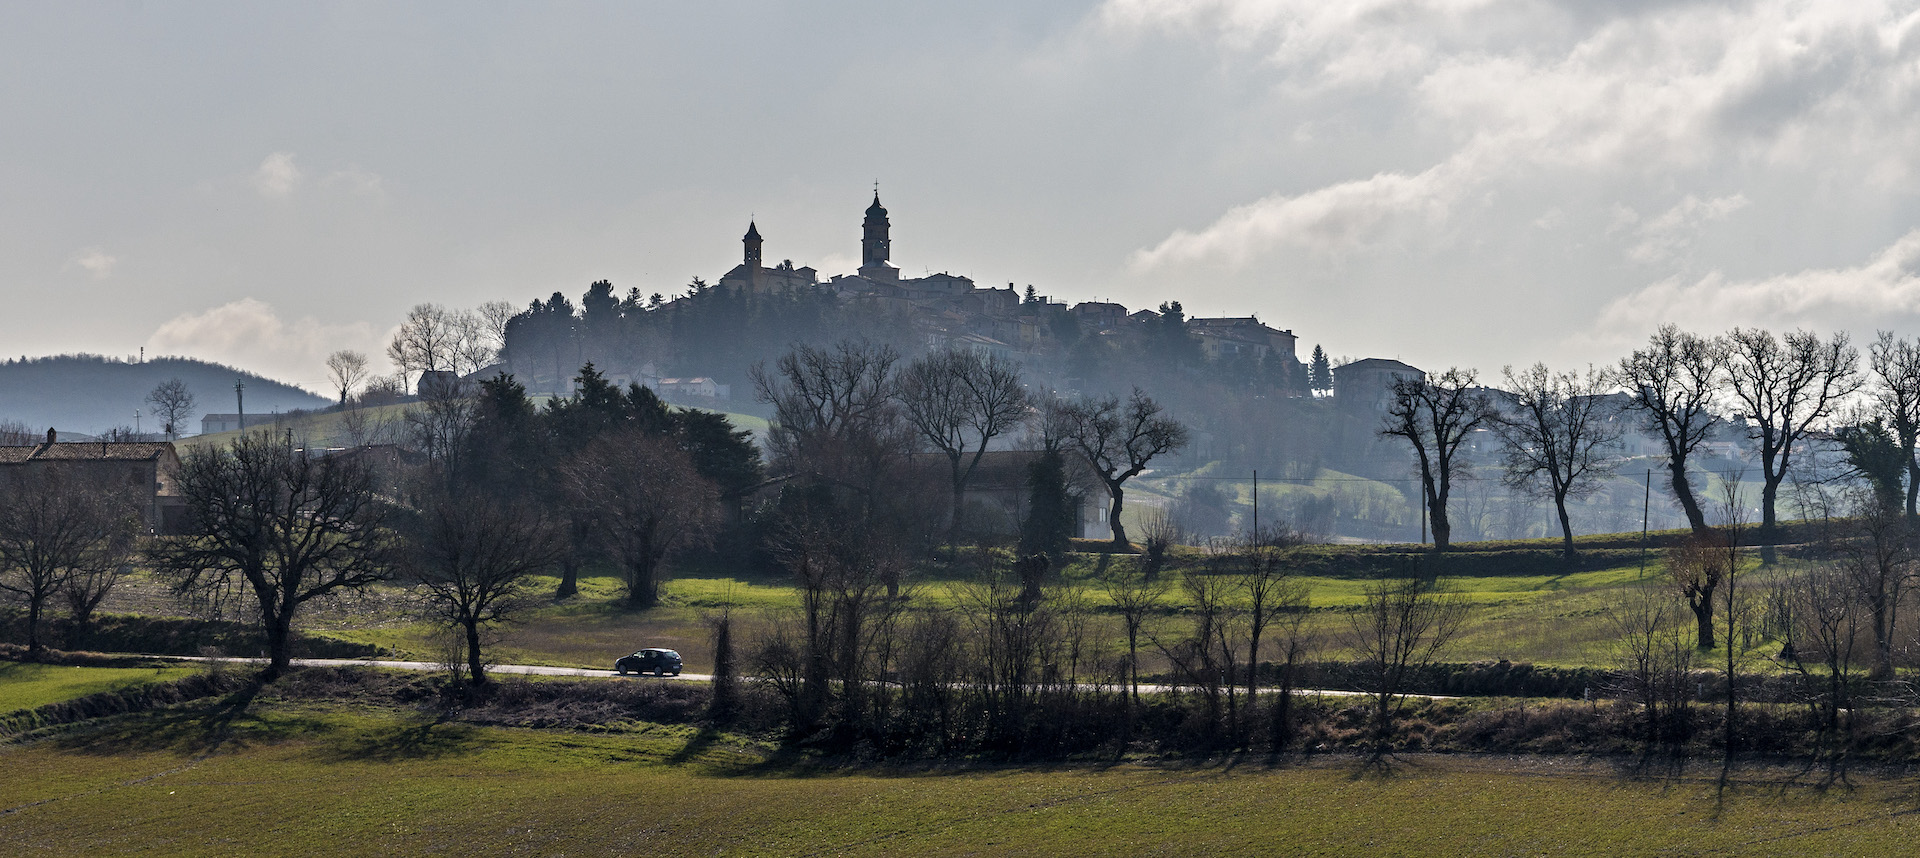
x: 1471, y: 183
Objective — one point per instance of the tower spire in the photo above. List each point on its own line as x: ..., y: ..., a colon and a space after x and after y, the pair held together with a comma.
x: 875, y: 245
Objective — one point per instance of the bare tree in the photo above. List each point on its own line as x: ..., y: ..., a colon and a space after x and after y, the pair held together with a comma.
x: 1654, y: 656
x: 472, y: 556
x: 960, y: 401
x: 1402, y: 625
x: 1275, y: 598
x: 1697, y: 565
x: 1878, y: 560
x: 834, y: 413
x: 14, y: 433
x: 172, y: 404
x: 839, y: 437
x: 1895, y: 364
x: 1136, y: 596
x: 1435, y: 416
x: 647, y: 502
x: 1208, y: 657
x: 426, y: 342
x: 348, y: 370
x: 1118, y: 442
x: 1786, y: 390
x: 276, y: 525
x: 1824, y: 626
x: 56, y: 526
x: 1673, y: 382
x: 1556, y: 428
x: 1733, y: 509
x: 440, y: 424
x: 848, y: 604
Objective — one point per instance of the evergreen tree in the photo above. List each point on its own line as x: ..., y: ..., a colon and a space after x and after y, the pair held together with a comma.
x: 1319, y: 372
x: 1051, y: 513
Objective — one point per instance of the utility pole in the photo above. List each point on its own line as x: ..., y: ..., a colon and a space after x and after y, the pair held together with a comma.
x: 1256, y: 506
x: 240, y: 402
x: 1646, y: 503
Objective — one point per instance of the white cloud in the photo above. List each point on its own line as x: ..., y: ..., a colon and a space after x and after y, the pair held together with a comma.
x: 249, y: 333
x: 1512, y: 90
x: 1880, y: 293
x: 1669, y: 233
x: 1330, y: 220
x: 94, y: 261
x: 278, y: 176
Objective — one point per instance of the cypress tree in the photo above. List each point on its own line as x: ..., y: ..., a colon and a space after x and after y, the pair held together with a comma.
x: 1051, y: 513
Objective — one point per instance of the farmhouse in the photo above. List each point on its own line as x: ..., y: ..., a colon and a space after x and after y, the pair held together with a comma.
x: 144, y: 468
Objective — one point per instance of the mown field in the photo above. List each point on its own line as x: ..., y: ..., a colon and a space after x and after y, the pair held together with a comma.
x: 1524, y: 605
x: 263, y: 776
x: 25, y: 686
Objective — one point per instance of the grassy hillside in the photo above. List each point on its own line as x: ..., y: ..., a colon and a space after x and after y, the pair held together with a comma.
x: 92, y: 393
x: 264, y: 775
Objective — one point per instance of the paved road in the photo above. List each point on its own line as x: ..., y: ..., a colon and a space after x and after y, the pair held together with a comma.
x: 542, y: 670
x: 529, y: 669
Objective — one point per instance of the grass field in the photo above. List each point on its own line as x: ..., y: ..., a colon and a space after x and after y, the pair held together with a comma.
x: 1553, y: 619
x: 25, y: 686
x: 278, y: 778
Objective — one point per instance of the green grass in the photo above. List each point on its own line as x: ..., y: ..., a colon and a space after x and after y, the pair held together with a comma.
x: 1558, y: 619
x: 282, y: 779
x: 27, y: 686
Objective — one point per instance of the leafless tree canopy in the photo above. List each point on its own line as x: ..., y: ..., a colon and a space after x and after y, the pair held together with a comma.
x: 276, y: 526
x: 1786, y: 389
x: 1119, y: 441
x: 348, y: 370
x: 646, y: 501
x: 14, y: 433
x: 1895, y: 365
x: 959, y: 402
x: 831, y: 404
x: 434, y: 338
x: 56, y: 528
x: 1556, y: 438
x: 1435, y: 416
x: 1673, y: 382
x: 172, y: 404
x: 1402, y: 626
x: 472, y: 556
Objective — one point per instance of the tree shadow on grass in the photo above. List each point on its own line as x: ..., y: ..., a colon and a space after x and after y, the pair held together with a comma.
x: 425, y: 738
x: 199, y: 727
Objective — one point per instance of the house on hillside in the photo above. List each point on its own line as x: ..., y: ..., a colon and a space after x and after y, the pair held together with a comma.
x: 1368, y: 384
x: 996, y: 498
x: 1099, y: 315
x: 143, y: 468
x: 702, y: 388
x: 1242, y: 336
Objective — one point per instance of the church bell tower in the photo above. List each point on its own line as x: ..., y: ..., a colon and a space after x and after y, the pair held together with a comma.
x: 875, y: 247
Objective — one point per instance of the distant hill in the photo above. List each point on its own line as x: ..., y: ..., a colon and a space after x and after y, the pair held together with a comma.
x: 91, y: 393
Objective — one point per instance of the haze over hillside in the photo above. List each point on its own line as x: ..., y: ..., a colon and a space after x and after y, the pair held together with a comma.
x: 93, y: 393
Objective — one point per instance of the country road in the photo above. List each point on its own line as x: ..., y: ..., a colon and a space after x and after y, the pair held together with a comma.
x: 543, y: 670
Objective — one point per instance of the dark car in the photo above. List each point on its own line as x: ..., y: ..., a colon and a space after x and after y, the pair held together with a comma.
x: 660, y: 662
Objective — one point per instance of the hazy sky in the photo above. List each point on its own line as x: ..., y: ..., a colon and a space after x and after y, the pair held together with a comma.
x: 1474, y: 183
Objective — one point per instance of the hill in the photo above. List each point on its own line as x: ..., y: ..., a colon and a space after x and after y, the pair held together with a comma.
x: 93, y: 393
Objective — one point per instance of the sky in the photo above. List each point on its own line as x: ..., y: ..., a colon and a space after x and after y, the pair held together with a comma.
x: 1474, y: 183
